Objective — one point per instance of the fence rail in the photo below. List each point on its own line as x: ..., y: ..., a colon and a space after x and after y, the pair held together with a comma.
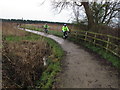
x: 108, y: 42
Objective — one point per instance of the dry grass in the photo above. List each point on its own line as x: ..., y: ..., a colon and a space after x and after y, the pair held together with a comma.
x: 53, y: 27
x: 22, y: 62
x: 11, y: 29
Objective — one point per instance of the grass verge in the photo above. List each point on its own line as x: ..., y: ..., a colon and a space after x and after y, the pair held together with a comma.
x: 18, y: 38
x: 54, y: 66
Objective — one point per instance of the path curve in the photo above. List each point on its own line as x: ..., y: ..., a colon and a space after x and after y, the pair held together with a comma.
x: 81, y: 69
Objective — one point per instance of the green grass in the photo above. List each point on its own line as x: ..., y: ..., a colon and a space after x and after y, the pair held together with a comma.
x: 31, y: 27
x: 19, y: 38
x: 106, y: 55
x: 54, y: 65
x: 56, y: 33
x: 48, y: 77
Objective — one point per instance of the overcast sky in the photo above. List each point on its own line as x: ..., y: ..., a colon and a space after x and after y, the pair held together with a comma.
x: 32, y: 10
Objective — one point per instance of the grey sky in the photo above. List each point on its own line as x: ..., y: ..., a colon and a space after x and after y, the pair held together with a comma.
x: 32, y: 10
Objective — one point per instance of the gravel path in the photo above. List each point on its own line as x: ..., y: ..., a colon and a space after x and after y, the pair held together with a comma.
x: 81, y: 69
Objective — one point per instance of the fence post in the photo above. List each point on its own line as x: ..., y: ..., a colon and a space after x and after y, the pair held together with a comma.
x: 94, y: 39
x: 107, y: 43
x: 76, y: 34
x: 116, y: 50
x: 86, y: 35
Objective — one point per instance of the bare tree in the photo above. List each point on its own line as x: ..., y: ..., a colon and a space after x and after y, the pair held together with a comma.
x: 96, y: 13
x: 62, y: 4
x: 104, y: 12
x: 76, y: 13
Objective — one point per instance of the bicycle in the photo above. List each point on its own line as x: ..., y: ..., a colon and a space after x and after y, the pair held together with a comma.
x: 45, y: 30
x: 65, y: 34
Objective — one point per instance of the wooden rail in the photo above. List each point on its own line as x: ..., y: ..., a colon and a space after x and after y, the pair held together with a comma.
x: 108, y: 42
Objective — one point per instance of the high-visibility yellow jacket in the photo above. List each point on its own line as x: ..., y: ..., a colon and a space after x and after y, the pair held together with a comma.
x: 65, y: 28
x: 46, y: 26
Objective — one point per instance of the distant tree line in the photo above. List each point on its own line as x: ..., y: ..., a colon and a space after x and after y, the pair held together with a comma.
x: 21, y: 21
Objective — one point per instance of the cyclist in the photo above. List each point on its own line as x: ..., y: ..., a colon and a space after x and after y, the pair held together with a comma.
x: 46, y: 27
x: 65, y: 31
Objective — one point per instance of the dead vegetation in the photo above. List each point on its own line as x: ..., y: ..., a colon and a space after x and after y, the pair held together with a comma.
x: 9, y: 29
x: 53, y: 27
x: 22, y: 62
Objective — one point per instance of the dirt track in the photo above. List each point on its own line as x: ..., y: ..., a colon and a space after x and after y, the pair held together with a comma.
x: 82, y: 69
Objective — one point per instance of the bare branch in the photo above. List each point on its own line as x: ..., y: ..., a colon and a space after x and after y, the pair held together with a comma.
x: 102, y: 12
x: 60, y: 5
x: 43, y: 2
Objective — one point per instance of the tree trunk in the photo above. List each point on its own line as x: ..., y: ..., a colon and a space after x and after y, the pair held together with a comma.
x: 89, y: 15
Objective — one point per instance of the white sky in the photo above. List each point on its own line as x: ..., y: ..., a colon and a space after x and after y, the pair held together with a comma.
x: 31, y: 10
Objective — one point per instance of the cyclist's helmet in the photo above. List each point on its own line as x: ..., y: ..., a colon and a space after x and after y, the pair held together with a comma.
x: 64, y: 24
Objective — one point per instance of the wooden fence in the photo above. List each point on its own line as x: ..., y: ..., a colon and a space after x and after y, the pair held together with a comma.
x: 108, y: 42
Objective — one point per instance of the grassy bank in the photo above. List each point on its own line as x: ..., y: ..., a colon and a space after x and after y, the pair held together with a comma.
x: 54, y: 66
x: 106, y: 55
x: 48, y: 76
x: 23, y: 54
